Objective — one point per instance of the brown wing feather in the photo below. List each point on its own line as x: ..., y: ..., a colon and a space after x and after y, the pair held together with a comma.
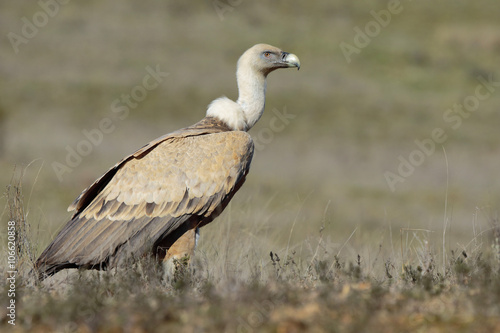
x: 180, y: 182
x: 206, y: 126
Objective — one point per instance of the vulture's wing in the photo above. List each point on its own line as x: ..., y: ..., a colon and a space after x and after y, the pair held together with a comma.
x: 170, y: 185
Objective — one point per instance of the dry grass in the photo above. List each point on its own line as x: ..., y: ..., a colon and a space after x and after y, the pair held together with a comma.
x: 352, y: 254
x: 319, y: 291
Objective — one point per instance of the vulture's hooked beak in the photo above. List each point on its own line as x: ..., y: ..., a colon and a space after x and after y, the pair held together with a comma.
x: 290, y: 59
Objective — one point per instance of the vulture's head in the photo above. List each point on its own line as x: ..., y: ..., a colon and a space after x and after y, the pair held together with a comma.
x: 253, y: 67
x: 265, y: 58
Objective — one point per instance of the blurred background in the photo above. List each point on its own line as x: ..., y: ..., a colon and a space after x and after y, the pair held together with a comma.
x: 375, y: 77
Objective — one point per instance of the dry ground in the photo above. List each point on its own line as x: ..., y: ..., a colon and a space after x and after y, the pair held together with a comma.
x: 355, y: 255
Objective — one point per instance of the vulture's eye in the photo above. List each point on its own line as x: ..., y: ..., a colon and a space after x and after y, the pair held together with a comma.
x: 267, y: 54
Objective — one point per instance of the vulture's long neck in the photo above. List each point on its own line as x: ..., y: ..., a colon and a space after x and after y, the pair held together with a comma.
x: 252, y: 93
x: 247, y: 110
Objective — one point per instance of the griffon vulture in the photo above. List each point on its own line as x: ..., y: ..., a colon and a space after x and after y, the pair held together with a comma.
x: 154, y: 200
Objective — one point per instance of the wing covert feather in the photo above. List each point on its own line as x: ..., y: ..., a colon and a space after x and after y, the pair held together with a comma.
x: 175, y: 172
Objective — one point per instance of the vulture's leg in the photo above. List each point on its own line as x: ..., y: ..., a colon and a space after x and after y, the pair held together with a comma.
x: 179, y: 254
